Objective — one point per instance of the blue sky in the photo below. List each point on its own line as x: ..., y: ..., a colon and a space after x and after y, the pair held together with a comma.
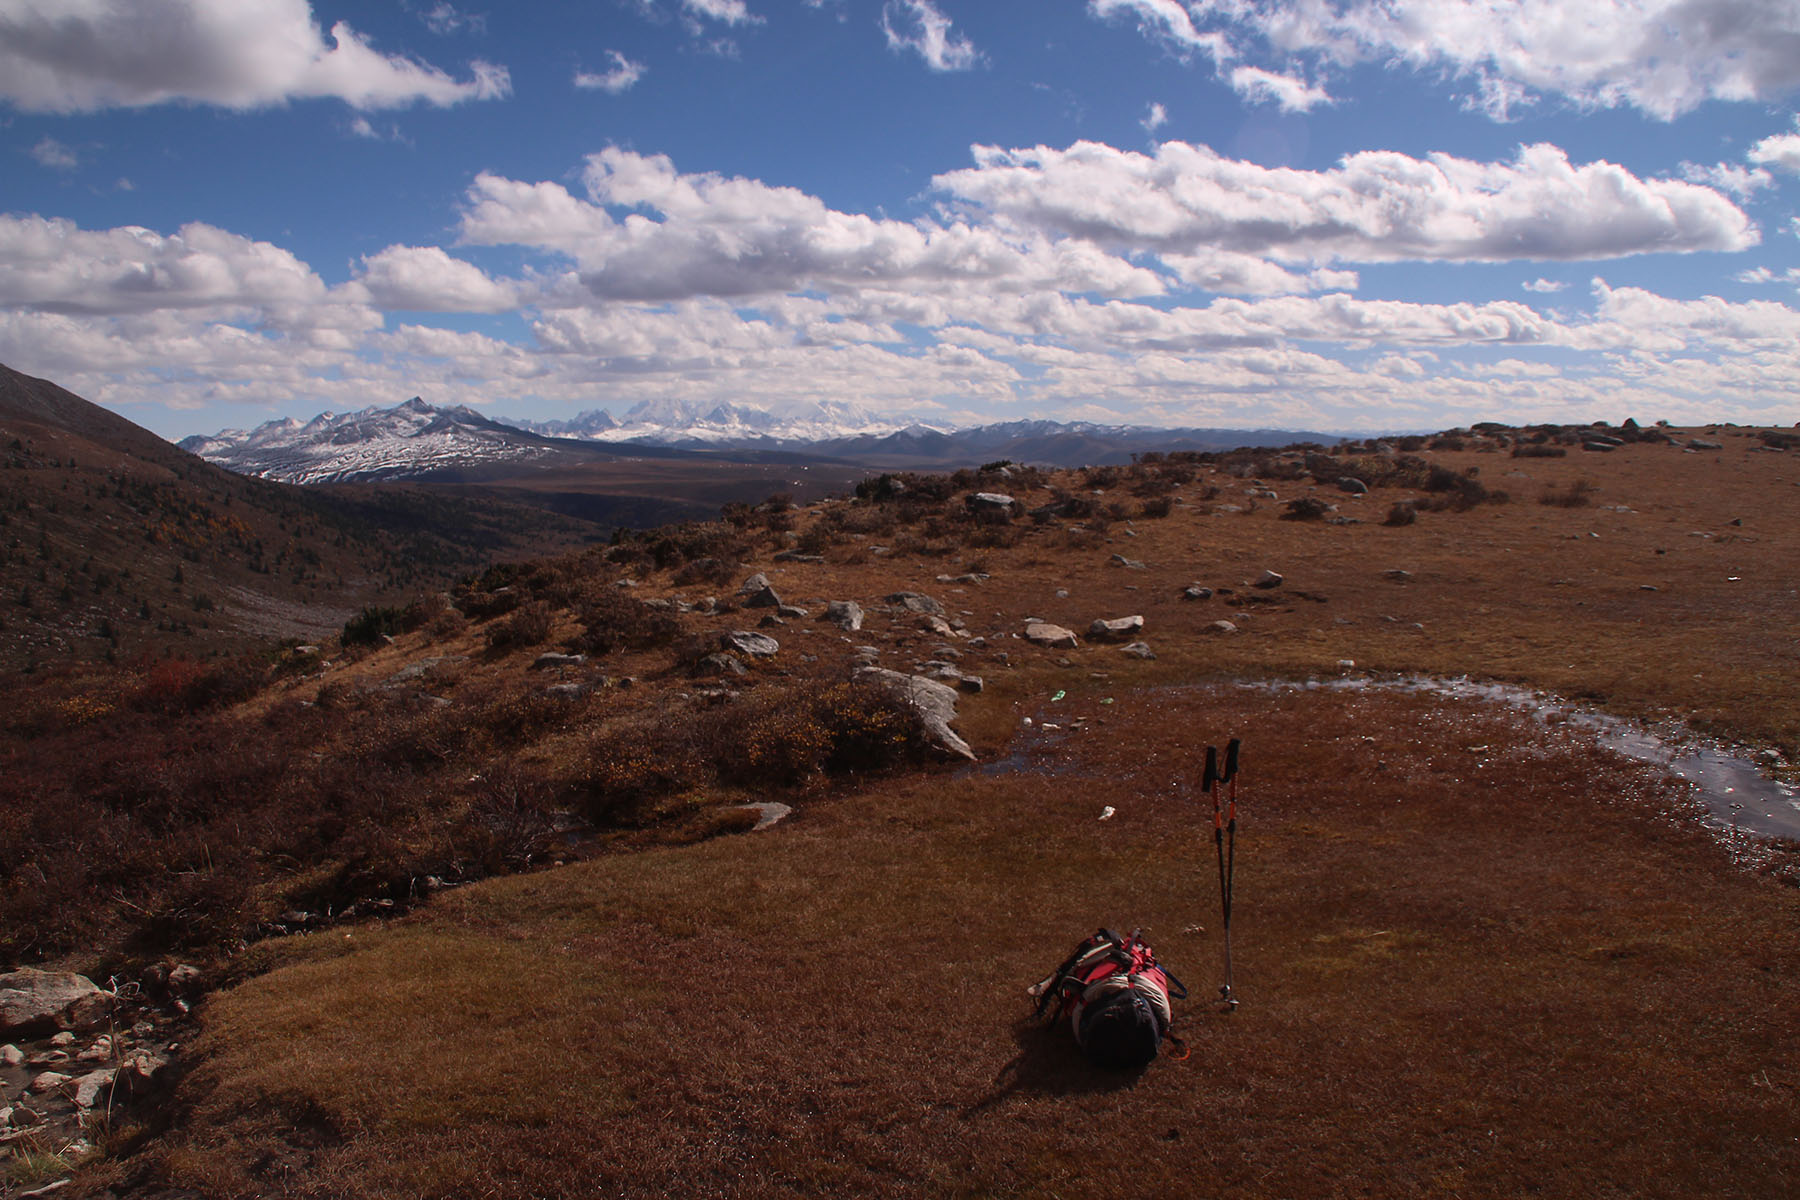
x: 1337, y: 215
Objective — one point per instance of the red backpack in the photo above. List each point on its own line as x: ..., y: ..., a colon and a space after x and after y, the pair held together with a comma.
x: 1117, y: 998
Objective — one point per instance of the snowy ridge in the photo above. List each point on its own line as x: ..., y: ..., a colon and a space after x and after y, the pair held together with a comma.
x: 373, y: 443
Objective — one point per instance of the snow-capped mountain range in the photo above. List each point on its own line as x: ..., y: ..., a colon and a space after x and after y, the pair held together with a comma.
x: 374, y: 443
x: 416, y: 440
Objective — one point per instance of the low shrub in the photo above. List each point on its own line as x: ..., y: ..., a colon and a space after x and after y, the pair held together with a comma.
x: 1578, y: 494
x: 527, y: 627
x: 1403, y: 512
x: 369, y: 626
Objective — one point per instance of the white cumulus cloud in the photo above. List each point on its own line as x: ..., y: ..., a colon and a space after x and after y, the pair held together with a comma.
x: 53, y: 154
x: 427, y: 279
x: 617, y: 78
x: 1663, y: 57
x: 83, y: 55
x: 919, y: 26
x: 1376, y: 206
x: 1289, y: 93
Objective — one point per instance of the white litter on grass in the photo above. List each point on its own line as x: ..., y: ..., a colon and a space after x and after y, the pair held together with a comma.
x: 1107, y: 812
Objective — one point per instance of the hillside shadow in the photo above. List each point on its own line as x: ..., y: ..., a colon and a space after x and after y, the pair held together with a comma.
x: 1049, y: 1063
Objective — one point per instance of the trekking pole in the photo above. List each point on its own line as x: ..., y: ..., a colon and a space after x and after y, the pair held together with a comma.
x: 1224, y: 843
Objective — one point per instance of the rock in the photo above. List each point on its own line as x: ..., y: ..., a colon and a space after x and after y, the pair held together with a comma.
x: 1268, y: 579
x: 1139, y: 650
x: 971, y: 577
x: 792, y: 612
x: 845, y: 614
x: 1598, y: 447
x: 36, y: 1002
x: 91, y: 1088
x: 936, y: 626
x: 985, y: 502
x: 935, y: 703
x: 917, y: 602
x: 719, y: 664
x: 99, y: 1052
x: 1130, y: 564
x: 48, y: 1081
x: 744, y: 641
x: 1116, y: 629
x: 144, y: 1064
x: 567, y: 691
x: 11, y: 1056
x: 1194, y: 591
x: 755, y: 592
x: 413, y: 672
x: 1352, y: 485
x: 1396, y: 574
x: 796, y: 556
x: 1220, y: 627
x: 970, y: 683
x: 1043, y: 633
x: 772, y: 621
x: 551, y: 660
x: 1702, y: 444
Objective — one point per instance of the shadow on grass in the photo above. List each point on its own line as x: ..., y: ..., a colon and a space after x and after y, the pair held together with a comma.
x: 1049, y: 1063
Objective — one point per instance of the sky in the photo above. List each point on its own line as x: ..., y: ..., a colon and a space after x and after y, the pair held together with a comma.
x: 1346, y: 216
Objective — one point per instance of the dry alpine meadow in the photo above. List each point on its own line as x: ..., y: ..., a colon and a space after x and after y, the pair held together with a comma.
x: 620, y: 874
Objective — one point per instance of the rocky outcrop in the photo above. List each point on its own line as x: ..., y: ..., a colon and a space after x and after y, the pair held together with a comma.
x: 34, y: 1002
x: 934, y: 702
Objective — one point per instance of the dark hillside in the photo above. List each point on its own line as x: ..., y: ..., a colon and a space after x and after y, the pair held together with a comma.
x: 116, y: 544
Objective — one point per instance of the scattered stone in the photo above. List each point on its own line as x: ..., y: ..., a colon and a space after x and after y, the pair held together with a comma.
x: 1702, y: 444
x: 971, y: 577
x: 755, y: 592
x: 49, y: 1081
x: 985, y: 502
x: 917, y: 602
x: 1139, y: 650
x: 744, y: 641
x: 1268, y: 579
x: 770, y: 622
x: 567, y: 691
x: 1593, y: 447
x: 937, y: 626
x: 63, y: 1040
x: 11, y: 1056
x: 1194, y: 591
x: 719, y: 664
x: 1043, y: 633
x: 1116, y: 629
x: 792, y: 612
x: 99, y: 1052
x: 1220, y: 627
x: 970, y: 683
x: 845, y: 614
x: 1130, y: 564
x: 625, y: 583
x: 90, y: 1088
x: 797, y: 557
x: 413, y: 672
x: 933, y: 701
x: 550, y: 660
x: 1396, y: 574
x: 1352, y: 486
x: 34, y: 1002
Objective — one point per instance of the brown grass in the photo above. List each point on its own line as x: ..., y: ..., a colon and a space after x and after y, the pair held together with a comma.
x: 1475, y: 958
x: 1466, y: 971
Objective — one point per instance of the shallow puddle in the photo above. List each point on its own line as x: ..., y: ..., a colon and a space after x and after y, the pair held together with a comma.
x: 1739, y: 798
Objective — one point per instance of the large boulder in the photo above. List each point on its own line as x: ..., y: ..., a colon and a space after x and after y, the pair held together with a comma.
x: 916, y: 602
x: 845, y: 614
x: 1043, y: 633
x: 935, y: 703
x: 991, y: 502
x: 1117, y: 629
x: 756, y: 592
x: 36, y: 1003
x: 745, y: 641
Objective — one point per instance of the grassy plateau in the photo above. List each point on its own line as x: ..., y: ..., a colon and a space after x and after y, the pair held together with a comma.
x: 1477, y: 954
